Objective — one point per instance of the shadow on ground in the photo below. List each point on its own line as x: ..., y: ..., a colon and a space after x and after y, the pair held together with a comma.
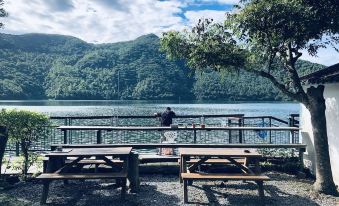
x: 246, y: 194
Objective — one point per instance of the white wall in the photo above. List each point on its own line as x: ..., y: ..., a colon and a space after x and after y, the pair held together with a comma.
x: 332, y: 117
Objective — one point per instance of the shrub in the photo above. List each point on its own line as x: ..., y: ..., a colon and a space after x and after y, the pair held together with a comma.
x: 24, y: 127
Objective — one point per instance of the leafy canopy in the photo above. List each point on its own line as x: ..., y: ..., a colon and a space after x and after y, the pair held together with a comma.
x: 24, y: 125
x: 259, y: 36
x: 3, y: 13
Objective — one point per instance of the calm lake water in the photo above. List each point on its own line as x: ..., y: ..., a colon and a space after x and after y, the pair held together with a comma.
x: 132, y: 107
x: 120, y: 108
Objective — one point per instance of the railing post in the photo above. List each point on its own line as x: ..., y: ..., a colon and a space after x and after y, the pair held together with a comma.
x: 65, y: 136
x: 301, y: 162
x: 99, y: 140
x: 195, y: 136
x: 270, y: 122
x: 229, y: 131
x: 240, y: 131
x: 17, y: 149
x: 290, y: 124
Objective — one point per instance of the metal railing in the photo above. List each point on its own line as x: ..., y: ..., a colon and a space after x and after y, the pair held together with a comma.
x: 225, y: 129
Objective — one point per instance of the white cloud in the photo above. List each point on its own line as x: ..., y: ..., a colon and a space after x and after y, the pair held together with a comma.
x: 228, y: 1
x: 326, y: 57
x: 215, y: 1
x: 194, y: 16
x: 93, y: 20
x: 104, y: 21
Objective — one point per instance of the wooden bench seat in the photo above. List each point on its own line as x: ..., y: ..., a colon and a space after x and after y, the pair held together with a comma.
x: 216, y: 161
x: 77, y: 176
x: 259, y: 179
x: 223, y: 176
x: 82, y: 162
x: 48, y: 177
x: 94, y: 161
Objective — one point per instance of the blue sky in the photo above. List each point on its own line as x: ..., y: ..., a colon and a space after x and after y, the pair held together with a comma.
x: 104, y: 21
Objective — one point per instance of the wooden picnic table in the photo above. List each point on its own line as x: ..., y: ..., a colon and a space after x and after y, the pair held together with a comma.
x: 201, y: 156
x: 60, y: 169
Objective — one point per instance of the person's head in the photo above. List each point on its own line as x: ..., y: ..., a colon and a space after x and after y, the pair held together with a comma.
x: 168, y: 108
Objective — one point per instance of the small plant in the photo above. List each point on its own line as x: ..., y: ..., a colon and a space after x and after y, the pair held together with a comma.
x: 278, y: 152
x: 24, y: 127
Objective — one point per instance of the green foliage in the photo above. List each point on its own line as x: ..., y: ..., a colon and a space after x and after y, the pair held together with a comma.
x: 3, y: 13
x: 24, y: 127
x: 208, y: 45
x: 243, y: 85
x: 39, y: 66
x: 263, y: 37
x: 19, y: 162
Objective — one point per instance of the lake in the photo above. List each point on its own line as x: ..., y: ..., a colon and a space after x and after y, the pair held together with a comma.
x: 281, y: 110
x: 133, y: 107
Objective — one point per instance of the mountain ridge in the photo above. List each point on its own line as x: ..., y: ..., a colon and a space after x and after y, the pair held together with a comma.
x: 48, y: 66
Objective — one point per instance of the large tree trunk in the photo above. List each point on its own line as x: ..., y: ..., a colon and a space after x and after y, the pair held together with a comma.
x: 3, y: 143
x: 316, y: 105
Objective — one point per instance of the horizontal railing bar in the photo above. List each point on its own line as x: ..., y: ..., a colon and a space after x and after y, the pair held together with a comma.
x: 280, y: 120
x: 271, y: 117
x: 174, y: 129
x: 147, y: 116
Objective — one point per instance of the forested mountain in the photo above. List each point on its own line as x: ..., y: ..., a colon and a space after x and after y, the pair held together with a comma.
x: 41, y: 66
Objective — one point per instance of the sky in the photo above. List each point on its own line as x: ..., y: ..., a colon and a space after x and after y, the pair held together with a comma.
x: 108, y: 21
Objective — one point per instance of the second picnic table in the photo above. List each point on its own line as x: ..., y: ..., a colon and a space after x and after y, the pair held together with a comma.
x: 59, y: 167
x: 209, y: 155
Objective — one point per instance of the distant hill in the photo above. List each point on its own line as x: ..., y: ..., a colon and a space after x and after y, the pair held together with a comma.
x: 43, y: 66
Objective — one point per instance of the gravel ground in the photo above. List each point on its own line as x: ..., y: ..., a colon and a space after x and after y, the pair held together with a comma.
x: 166, y: 190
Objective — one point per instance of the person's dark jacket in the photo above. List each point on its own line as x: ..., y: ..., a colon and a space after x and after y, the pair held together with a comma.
x: 166, y: 118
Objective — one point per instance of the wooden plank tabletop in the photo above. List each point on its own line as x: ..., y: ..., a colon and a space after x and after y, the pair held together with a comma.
x: 76, y: 152
x: 109, y: 128
x: 180, y: 145
x: 221, y: 152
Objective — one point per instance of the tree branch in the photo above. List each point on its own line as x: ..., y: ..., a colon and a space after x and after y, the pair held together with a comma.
x: 280, y: 86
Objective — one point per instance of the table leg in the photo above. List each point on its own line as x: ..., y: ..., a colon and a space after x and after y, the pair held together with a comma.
x: 185, y: 191
x: 180, y: 168
x: 123, y: 181
x: 133, y: 172
x: 261, y: 191
x: 257, y: 168
x: 45, y: 192
x: 123, y: 188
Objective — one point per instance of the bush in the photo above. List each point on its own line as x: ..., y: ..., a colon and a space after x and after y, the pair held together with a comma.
x: 24, y: 127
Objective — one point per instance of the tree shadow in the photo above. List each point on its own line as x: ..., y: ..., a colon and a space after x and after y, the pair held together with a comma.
x: 249, y: 196
x: 108, y: 194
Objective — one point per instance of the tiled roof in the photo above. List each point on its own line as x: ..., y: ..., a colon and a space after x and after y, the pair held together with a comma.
x: 327, y: 75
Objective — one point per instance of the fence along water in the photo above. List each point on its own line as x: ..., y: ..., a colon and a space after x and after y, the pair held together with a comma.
x: 227, y: 129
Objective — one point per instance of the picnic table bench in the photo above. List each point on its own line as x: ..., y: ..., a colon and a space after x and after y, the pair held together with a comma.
x: 202, y: 155
x: 59, y: 167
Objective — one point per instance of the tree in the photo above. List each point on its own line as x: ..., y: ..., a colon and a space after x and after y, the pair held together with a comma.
x: 3, y: 12
x: 257, y: 37
x: 3, y: 143
x: 24, y: 127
